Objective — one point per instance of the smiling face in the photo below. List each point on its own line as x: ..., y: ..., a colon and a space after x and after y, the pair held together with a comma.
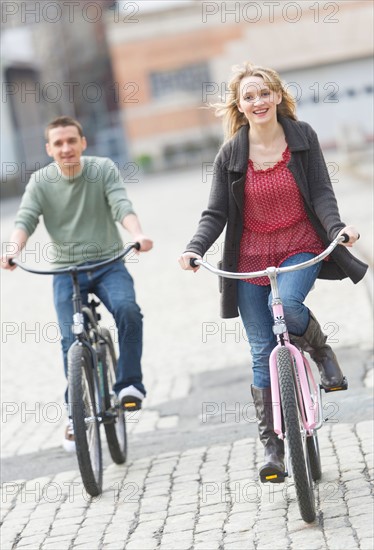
x: 66, y: 146
x: 257, y: 101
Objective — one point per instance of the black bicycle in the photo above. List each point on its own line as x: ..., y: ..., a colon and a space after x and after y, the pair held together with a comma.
x: 92, y: 366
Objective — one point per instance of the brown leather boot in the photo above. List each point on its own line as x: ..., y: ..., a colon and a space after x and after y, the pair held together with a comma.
x: 313, y: 341
x: 273, y: 467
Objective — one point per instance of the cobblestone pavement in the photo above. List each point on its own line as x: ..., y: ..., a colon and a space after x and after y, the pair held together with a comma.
x: 191, y: 488
x: 204, y: 498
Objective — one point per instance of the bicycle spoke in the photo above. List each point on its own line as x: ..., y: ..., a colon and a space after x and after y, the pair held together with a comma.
x: 85, y: 421
x: 295, y: 436
x: 115, y: 431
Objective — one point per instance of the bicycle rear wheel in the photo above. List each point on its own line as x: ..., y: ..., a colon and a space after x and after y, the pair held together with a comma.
x: 82, y: 392
x: 115, y: 431
x: 294, y: 429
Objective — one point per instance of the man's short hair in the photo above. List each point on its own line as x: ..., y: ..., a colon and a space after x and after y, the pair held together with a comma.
x: 63, y: 121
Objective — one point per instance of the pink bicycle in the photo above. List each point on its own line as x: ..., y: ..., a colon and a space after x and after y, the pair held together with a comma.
x: 296, y: 398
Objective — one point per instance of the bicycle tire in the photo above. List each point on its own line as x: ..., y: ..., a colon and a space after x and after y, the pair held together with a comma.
x: 299, y: 458
x: 314, y: 456
x: 115, y: 432
x: 83, y: 412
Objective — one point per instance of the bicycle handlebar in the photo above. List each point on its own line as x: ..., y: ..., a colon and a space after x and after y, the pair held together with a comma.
x: 194, y: 262
x: 77, y: 268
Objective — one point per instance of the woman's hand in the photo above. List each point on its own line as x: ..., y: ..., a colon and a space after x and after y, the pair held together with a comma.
x: 184, y: 261
x: 352, y: 233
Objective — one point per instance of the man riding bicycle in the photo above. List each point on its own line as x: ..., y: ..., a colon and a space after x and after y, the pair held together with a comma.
x: 81, y: 198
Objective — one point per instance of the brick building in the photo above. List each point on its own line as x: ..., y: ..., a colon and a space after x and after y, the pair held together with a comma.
x: 169, y: 62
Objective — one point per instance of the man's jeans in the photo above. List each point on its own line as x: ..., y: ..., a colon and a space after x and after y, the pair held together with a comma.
x: 255, y: 310
x: 113, y: 285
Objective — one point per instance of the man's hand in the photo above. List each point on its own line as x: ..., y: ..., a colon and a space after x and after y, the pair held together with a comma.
x: 5, y: 262
x: 146, y: 243
x: 132, y: 225
x: 16, y: 243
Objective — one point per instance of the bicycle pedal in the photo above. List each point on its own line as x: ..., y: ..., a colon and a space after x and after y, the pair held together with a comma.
x: 343, y: 386
x: 273, y: 477
x: 130, y: 403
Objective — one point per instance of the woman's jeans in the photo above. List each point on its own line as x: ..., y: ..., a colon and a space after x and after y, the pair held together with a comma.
x: 255, y: 310
x: 113, y: 285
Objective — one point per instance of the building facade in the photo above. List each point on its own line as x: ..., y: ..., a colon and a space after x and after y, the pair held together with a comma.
x: 54, y: 61
x: 169, y: 63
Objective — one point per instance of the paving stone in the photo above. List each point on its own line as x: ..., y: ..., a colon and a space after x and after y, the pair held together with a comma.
x: 142, y: 543
x: 363, y: 523
x: 167, y: 538
x: 207, y: 510
x: 366, y: 543
x: 34, y: 540
x: 182, y: 522
x: 357, y: 493
x: 207, y: 545
x: 182, y: 509
x: 334, y: 511
x: 60, y: 545
x: 340, y: 541
x: 243, y: 536
x: 177, y: 545
x: 243, y: 546
x: 215, y: 535
x: 273, y: 545
x: 359, y: 509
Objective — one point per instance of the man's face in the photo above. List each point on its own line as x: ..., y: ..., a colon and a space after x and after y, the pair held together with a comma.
x: 66, y: 146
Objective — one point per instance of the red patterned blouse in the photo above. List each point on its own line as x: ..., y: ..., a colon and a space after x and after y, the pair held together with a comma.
x: 276, y: 225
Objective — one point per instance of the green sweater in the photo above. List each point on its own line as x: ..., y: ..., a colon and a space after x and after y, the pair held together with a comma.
x: 79, y: 213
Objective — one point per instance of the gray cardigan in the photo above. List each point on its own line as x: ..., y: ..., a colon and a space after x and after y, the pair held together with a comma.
x: 225, y: 205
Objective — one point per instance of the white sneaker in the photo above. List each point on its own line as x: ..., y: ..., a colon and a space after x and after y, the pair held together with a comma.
x: 68, y: 442
x: 130, y: 398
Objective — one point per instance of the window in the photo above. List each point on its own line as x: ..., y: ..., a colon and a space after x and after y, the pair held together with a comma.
x: 185, y: 79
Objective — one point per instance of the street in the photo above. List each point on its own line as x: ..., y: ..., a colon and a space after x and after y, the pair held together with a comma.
x: 191, y: 477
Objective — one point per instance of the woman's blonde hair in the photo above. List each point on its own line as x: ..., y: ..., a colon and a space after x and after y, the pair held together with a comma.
x: 233, y: 119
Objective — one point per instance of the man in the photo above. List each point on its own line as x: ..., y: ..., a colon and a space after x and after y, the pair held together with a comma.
x: 81, y: 198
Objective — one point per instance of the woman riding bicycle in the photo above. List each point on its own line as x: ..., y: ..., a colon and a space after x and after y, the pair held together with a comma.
x: 272, y: 190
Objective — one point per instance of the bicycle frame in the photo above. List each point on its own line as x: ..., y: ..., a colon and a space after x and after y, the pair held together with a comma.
x: 308, y: 393
x: 309, y: 406
x: 78, y: 326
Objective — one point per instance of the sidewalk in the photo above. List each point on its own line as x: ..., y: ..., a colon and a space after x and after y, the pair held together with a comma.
x: 205, y: 495
x: 202, y: 499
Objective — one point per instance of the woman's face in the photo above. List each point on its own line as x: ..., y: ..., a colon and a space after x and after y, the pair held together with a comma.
x: 257, y: 102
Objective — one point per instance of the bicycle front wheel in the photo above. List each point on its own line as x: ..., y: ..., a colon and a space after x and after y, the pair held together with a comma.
x: 294, y: 429
x: 314, y: 456
x: 115, y: 431
x: 83, y: 412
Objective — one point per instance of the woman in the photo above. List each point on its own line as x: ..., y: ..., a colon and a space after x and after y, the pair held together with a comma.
x: 272, y: 190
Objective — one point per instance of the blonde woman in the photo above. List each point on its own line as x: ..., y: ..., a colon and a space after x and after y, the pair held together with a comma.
x: 271, y: 190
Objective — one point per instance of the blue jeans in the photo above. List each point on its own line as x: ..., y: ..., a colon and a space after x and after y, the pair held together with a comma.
x: 254, y: 303
x: 113, y: 285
